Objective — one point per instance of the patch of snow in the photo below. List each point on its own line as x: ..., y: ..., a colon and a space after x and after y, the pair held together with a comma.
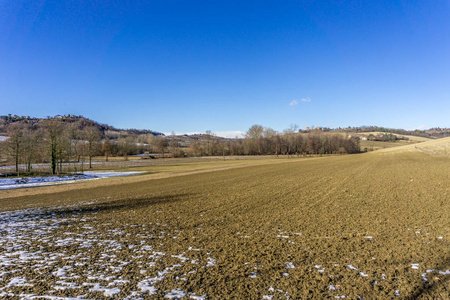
x: 183, y: 258
x: 147, y: 285
x: 351, y: 267
x: 211, y: 262
x: 24, y: 182
x: 195, y: 297
x: 193, y: 249
x: 175, y: 294
x: 18, y: 281
x: 106, y: 291
x: 318, y: 267
x: 290, y: 265
x: 30, y: 297
x: 62, y: 271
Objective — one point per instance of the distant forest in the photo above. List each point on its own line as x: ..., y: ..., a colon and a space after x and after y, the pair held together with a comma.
x: 61, y: 139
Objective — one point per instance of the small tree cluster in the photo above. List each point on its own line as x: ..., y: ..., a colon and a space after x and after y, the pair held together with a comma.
x: 52, y: 141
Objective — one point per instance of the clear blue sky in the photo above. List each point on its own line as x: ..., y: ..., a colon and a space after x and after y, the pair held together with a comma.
x: 188, y: 66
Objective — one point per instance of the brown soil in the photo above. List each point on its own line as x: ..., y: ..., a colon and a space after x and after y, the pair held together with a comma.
x: 351, y: 226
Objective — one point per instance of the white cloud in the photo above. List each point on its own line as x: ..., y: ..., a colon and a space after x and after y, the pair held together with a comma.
x: 182, y: 133
x: 421, y: 127
x: 225, y: 134
x: 230, y: 134
x: 296, y: 102
x: 293, y: 102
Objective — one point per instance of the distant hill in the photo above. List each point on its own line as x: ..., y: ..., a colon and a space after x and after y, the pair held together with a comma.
x: 432, y: 133
x: 113, y: 133
x: 107, y: 130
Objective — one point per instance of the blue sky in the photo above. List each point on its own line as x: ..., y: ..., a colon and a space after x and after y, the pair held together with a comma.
x: 192, y: 66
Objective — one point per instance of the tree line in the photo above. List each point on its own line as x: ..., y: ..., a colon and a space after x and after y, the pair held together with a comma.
x: 56, y: 142
x: 266, y: 141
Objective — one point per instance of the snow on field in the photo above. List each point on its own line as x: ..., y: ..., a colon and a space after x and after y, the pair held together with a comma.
x: 290, y: 265
x: 69, y: 252
x: 24, y: 182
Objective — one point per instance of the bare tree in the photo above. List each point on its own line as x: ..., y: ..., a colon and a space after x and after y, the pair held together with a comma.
x: 255, y: 134
x: 53, y: 130
x: 73, y: 133
x: 209, y: 137
x: 14, y: 143
x: 195, y: 149
x: 151, y: 142
x: 173, y: 144
x: 162, y: 144
x: 106, y: 148
x: 273, y: 141
x: 224, y: 148
x: 127, y: 146
x: 92, y: 135
x: 32, y: 138
x: 293, y: 127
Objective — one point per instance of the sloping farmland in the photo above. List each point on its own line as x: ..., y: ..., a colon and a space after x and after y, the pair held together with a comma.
x: 373, y: 225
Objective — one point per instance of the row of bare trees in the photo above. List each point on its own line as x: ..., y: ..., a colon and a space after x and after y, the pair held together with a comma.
x: 265, y: 141
x: 55, y: 142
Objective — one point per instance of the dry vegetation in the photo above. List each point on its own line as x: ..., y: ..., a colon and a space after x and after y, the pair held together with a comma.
x: 373, y: 225
x: 410, y: 138
x: 376, y: 145
x: 440, y: 147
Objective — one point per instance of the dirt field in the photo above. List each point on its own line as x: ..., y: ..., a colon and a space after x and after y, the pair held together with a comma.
x: 377, y: 145
x: 372, y: 226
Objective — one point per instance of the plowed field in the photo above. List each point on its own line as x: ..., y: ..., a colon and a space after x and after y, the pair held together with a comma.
x: 374, y: 225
